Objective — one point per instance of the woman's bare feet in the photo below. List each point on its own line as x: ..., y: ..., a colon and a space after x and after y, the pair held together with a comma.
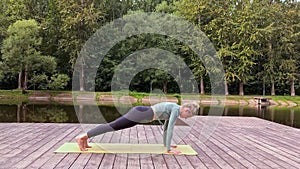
x: 81, y: 140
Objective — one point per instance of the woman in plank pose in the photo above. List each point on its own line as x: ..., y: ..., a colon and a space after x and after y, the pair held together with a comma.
x: 167, y: 111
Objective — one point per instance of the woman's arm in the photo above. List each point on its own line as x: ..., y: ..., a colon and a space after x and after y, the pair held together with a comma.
x: 171, y: 124
x: 165, y: 131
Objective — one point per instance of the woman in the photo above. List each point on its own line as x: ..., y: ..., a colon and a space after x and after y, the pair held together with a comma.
x: 167, y: 111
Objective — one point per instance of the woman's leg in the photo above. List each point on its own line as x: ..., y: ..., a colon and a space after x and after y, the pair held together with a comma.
x: 118, y: 124
x: 135, y: 116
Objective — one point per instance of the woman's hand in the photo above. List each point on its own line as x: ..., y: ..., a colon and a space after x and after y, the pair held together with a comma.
x: 174, y: 152
x: 82, y: 142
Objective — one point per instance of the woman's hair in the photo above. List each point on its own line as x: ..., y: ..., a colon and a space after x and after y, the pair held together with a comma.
x: 193, y: 106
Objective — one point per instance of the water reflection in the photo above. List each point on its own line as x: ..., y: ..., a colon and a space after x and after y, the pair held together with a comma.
x: 289, y: 116
x: 60, y: 113
x: 44, y: 113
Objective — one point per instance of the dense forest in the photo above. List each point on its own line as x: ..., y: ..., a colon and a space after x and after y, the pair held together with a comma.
x: 258, y: 42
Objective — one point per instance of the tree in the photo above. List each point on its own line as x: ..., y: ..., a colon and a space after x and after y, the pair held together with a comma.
x: 20, y: 53
x: 80, y: 20
x: 58, y: 81
x: 290, y: 45
x: 196, y: 13
x: 1, y: 71
x: 269, y: 30
x: 219, y: 28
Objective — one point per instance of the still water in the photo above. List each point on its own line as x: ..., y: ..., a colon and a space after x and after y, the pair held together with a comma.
x: 61, y: 113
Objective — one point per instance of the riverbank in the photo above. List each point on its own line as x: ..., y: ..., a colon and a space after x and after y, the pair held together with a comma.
x: 15, y: 96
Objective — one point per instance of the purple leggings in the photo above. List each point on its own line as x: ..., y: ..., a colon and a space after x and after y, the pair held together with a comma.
x: 136, y: 115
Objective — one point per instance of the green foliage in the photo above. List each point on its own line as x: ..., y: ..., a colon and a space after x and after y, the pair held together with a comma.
x: 58, y: 81
x: 19, y: 48
x: 1, y: 71
x: 39, y: 81
x: 79, y: 20
x: 53, y: 115
x: 20, y: 52
x: 165, y: 7
x: 258, y: 41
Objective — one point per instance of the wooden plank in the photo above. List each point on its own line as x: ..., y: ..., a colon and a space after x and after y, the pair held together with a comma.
x: 250, y: 146
x: 280, y: 144
x: 290, y: 143
x: 95, y: 159
x: 34, y: 142
x: 161, y: 161
x: 133, y: 160
x: 234, y: 152
x: 61, y: 160
x: 247, y: 151
x: 158, y: 160
x: 194, y: 161
x: 266, y: 153
x: 83, y: 159
x: 116, y: 139
x: 145, y: 159
x: 229, y: 135
x: 8, y: 130
x: 198, y: 146
x: 11, y: 145
x: 108, y: 159
x: 283, y: 156
x: 234, y: 143
x: 43, y: 149
x: 121, y: 159
x: 181, y: 133
x: 67, y: 161
x: 55, y: 159
x: 46, y: 157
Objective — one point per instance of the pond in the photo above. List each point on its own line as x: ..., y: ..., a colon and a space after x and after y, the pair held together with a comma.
x: 62, y: 113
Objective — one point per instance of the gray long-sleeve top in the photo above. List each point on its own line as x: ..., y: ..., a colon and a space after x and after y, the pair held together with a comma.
x: 169, y: 112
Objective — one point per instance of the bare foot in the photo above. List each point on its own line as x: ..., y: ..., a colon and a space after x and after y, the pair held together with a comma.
x: 86, y: 144
x: 81, y: 140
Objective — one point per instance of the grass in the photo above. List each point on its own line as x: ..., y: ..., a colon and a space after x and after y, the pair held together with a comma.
x: 12, y: 96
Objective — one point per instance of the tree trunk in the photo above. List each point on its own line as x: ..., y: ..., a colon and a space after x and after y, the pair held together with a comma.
x: 241, y: 89
x: 80, y: 115
x: 272, y: 88
x: 165, y: 86
x: 202, y: 90
x: 270, y: 53
x: 201, y: 112
x: 264, y: 88
x: 241, y: 110
x: 20, y: 80
x: 226, y: 89
x: 24, y: 81
x: 292, y: 87
x: 292, y: 117
x: 24, y: 111
x: 81, y: 78
x: 225, y: 111
x: 25, y: 78
x: 19, y: 113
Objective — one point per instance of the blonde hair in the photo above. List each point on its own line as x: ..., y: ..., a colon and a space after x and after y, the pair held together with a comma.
x: 193, y: 106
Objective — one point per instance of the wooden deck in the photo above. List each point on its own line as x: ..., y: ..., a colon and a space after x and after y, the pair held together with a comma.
x: 233, y: 142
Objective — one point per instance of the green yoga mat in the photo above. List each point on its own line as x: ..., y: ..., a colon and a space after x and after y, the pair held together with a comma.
x: 119, y: 148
